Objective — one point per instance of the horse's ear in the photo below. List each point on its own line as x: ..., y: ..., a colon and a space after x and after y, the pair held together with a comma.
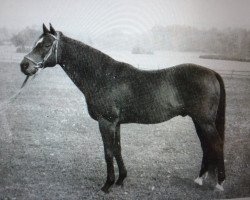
x: 52, y: 30
x: 45, y: 30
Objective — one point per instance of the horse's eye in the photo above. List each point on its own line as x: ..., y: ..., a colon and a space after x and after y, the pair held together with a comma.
x: 48, y: 45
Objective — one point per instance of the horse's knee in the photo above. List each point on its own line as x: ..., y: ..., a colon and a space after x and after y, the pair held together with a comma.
x: 108, y: 154
x: 117, y: 150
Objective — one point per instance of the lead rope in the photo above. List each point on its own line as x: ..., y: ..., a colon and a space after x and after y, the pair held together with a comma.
x: 4, y: 105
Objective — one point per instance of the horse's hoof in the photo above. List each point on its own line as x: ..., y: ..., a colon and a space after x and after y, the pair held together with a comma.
x: 219, y: 187
x: 105, y: 189
x: 119, y: 182
x: 121, y: 178
x: 107, y: 185
x: 199, y: 180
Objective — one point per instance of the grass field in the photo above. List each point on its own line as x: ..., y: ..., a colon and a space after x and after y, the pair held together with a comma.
x: 51, y: 149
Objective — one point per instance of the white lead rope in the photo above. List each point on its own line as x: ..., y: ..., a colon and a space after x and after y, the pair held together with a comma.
x: 4, y: 105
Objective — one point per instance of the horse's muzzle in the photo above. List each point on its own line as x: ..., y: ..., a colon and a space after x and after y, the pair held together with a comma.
x: 27, y: 68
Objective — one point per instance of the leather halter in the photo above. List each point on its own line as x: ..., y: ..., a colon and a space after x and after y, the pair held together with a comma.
x: 54, y: 46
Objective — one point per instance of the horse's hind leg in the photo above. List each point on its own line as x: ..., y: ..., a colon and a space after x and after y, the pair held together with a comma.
x: 212, y: 151
x: 118, y: 157
x: 221, y: 167
x: 204, y: 164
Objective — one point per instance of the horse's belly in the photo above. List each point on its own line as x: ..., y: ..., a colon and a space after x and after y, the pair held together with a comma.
x: 154, y: 105
x: 150, y: 114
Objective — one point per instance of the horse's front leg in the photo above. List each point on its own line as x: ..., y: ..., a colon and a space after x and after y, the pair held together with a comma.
x: 118, y: 157
x: 107, y: 130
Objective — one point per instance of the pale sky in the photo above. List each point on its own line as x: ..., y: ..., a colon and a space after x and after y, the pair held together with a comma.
x: 96, y: 17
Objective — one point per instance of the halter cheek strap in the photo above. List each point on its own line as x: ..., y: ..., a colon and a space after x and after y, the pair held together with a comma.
x: 54, y: 45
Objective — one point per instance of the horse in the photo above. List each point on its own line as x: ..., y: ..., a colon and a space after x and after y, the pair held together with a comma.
x: 117, y: 93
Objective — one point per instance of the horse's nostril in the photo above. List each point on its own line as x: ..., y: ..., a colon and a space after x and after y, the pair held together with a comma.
x: 25, y: 65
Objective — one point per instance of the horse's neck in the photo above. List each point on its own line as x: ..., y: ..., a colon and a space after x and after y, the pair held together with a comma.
x: 82, y: 63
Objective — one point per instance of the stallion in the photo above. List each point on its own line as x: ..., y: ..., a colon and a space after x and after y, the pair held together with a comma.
x: 118, y: 93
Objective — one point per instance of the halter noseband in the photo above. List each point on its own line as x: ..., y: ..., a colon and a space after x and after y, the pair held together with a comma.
x: 41, y: 63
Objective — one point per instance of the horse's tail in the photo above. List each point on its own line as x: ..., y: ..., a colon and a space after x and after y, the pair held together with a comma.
x: 220, y: 118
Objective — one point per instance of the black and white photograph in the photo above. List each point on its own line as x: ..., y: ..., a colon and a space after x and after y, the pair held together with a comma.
x: 124, y: 99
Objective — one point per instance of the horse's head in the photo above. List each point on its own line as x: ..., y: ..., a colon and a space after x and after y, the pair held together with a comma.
x: 44, y: 53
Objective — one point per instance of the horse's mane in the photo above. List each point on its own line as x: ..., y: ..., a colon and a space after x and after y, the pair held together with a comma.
x: 85, y: 53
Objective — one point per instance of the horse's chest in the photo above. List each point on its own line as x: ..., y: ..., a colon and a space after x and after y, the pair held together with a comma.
x: 102, y: 107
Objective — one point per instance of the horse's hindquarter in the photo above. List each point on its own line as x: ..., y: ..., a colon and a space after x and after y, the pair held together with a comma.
x: 199, y: 90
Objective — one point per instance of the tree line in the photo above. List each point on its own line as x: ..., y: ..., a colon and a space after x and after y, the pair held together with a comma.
x: 233, y: 42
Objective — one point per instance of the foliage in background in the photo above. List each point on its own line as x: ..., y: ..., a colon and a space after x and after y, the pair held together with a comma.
x: 229, y: 41
x: 26, y: 37
x: 4, y: 35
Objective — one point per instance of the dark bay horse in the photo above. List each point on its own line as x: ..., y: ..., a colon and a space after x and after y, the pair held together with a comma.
x: 118, y: 93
